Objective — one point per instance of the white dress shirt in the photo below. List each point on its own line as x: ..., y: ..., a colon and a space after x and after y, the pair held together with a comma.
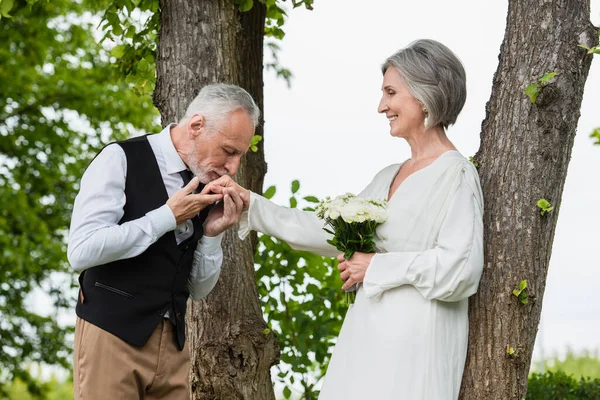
x: 96, y: 238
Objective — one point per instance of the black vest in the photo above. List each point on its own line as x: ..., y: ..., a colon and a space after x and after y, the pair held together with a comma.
x: 128, y: 298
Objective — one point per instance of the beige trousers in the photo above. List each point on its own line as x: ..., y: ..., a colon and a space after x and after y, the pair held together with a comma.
x: 106, y: 367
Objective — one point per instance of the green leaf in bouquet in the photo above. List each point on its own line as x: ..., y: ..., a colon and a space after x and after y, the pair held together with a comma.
x: 293, y: 202
x: 348, y: 254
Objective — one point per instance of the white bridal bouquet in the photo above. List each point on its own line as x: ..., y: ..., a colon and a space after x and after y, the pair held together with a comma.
x: 353, y: 221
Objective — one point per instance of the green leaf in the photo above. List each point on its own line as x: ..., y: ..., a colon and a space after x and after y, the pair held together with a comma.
x: 311, y: 199
x: 287, y: 393
x: 5, y: 7
x: 270, y: 192
x: 517, y: 292
x: 546, y: 77
x: 245, y: 5
x: 295, y: 186
x: 130, y: 32
x: 118, y: 51
x: 544, y: 206
x: 117, y: 29
x: 255, y: 140
x: 532, y: 91
x: 266, y: 331
x: 472, y: 160
x: 523, y: 284
x: 596, y: 135
x: 293, y: 202
x: 254, y: 149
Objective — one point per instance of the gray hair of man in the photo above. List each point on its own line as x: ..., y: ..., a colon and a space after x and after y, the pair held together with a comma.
x: 436, y: 78
x: 216, y: 101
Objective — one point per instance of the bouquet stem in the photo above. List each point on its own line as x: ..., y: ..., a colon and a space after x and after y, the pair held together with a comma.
x: 350, y: 294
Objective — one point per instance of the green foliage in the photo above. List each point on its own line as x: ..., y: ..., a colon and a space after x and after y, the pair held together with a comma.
x: 544, y: 206
x: 585, y: 365
x: 254, y: 143
x: 473, y: 161
x: 521, y: 292
x: 591, y: 50
x: 534, y: 89
x: 5, y: 7
x: 596, y: 135
x: 302, y: 303
x: 270, y: 192
x: 54, y: 389
x: 60, y: 99
x: 510, y: 352
x: 131, y: 28
x: 559, y: 385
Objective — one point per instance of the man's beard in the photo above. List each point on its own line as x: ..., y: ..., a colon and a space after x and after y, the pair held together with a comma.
x: 205, y: 174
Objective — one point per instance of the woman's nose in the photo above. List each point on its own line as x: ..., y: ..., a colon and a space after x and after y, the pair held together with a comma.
x: 382, y: 106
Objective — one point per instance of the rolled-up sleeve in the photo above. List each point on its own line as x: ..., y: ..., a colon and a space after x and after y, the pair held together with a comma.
x: 206, y: 267
x: 95, y: 235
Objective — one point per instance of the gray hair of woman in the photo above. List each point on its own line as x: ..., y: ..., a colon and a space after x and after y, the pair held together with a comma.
x: 216, y: 101
x: 436, y: 78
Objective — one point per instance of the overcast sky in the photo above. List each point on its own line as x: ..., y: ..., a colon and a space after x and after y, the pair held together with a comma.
x: 326, y: 132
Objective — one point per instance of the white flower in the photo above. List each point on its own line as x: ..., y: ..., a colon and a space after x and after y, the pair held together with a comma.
x: 353, y: 209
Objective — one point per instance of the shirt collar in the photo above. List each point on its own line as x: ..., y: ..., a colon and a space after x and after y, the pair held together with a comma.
x: 173, y: 161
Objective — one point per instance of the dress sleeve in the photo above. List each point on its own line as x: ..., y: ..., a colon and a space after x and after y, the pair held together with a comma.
x: 451, y: 270
x: 302, y: 230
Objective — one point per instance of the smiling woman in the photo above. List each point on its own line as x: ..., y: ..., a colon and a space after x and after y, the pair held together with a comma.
x: 406, y: 334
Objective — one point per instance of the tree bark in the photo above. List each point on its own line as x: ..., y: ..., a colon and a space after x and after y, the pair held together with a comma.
x: 524, y: 155
x: 203, y: 42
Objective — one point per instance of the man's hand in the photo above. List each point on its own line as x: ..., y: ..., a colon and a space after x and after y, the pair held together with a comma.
x: 224, y: 182
x: 185, y: 205
x: 225, y: 214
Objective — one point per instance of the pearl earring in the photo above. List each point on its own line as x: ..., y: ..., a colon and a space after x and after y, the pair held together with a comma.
x: 426, y: 118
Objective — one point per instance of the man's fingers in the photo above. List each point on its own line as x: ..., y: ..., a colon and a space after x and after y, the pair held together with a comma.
x: 192, y: 185
x: 213, y: 188
x: 342, y: 266
x: 340, y: 257
x: 207, y: 199
x: 224, y: 181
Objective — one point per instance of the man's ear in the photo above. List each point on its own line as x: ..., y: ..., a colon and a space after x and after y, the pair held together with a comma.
x: 196, y: 125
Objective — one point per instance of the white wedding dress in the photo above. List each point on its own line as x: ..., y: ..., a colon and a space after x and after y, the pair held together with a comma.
x: 405, y: 337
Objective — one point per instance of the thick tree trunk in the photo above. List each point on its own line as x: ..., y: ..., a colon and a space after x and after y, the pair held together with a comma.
x: 203, y: 42
x: 524, y: 155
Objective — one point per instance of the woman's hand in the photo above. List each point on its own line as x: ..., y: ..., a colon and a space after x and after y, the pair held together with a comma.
x: 353, y: 270
x: 219, y: 185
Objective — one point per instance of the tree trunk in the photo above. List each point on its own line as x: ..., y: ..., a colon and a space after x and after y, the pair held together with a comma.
x: 524, y: 155
x: 203, y: 42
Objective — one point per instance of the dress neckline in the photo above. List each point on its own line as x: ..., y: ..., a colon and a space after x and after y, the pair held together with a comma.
x: 389, y: 186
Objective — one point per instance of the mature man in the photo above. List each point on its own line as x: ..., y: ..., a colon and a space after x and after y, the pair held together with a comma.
x: 145, y: 241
